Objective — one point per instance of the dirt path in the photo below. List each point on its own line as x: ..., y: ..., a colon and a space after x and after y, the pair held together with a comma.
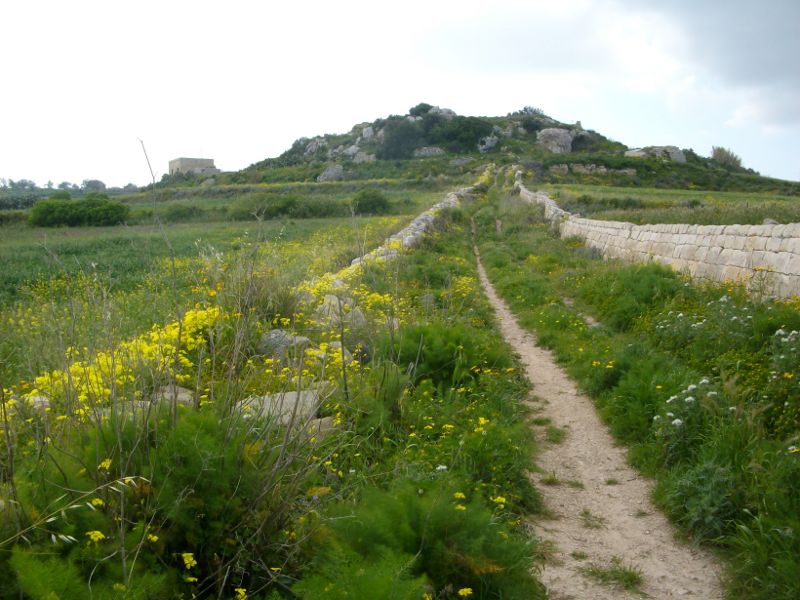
x: 601, y: 508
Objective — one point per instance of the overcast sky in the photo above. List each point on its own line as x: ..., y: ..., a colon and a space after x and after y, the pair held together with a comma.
x: 239, y: 81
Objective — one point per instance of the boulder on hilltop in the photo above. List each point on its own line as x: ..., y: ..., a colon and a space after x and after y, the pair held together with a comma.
x: 555, y: 140
x: 672, y: 153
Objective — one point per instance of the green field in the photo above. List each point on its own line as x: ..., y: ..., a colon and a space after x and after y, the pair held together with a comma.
x: 655, y: 205
x: 59, y: 284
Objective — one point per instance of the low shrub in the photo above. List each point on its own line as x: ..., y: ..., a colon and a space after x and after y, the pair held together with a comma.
x: 370, y: 202
x: 94, y: 210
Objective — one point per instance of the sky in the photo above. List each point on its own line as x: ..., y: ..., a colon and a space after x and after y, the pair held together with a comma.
x: 238, y: 81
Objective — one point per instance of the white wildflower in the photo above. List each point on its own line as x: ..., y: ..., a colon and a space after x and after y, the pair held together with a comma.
x: 441, y: 467
x: 677, y: 422
x: 689, y: 399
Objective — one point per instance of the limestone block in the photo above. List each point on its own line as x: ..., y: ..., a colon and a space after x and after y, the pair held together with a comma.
x: 774, y: 244
x: 780, y: 262
x: 790, y: 245
x: 791, y: 230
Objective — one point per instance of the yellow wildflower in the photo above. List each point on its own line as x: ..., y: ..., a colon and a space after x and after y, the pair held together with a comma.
x: 459, y: 495
x: 188, y: 559
x: 465, y: 592
x: 95, y: 536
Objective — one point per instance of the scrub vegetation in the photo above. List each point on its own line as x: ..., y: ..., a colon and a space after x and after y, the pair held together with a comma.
x: 160, y: 349
x: 700, y: 381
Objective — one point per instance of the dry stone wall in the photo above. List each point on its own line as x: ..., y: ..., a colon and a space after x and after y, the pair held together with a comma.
x: 753, y: 253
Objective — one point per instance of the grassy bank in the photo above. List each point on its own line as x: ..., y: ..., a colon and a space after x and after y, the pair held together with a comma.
x: 407, y: 481
x: 699, y: 381
x: 653, y: 205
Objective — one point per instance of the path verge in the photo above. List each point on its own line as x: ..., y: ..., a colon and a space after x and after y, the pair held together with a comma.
x: 600, y: 508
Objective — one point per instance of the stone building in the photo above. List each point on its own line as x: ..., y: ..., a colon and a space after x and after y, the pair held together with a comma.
x: 197, y: 166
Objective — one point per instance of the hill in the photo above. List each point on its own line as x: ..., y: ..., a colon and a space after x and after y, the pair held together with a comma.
x: 430, y: 141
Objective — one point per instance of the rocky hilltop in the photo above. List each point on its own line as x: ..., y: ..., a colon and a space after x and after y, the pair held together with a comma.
x: 430, y: 141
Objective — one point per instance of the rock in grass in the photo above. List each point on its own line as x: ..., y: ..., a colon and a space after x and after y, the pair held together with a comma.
x: 279, y: 342
x: 332, y: 173
x: 286, y: 408
x: 167, y: 393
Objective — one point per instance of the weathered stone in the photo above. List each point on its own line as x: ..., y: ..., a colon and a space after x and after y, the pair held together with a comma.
x: 355, y: 318
x: 427, y: 151
x: 672, y: 153
x: 555, y: 140
x: 363, y: 157
x: 332, y: 173
x: 334, y: 306
x: 444, y: 112
x: 367, y: 133
x: 313, y: 146
x: 206, y: 183
x: 351, y: 151
x: 488, y: 143
x: 279, y: 342
x: 769, y: 221
x: 460, y: 162
x: 559, y: 169
x: 286, y: 408
x: 168, y: 393
x: 41, y: 403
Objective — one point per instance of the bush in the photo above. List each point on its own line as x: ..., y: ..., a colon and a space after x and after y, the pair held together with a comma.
x: 460, y: 134
x: 401, y: 137
x: 726, y: 158
x: 370, y: 202
x: 416, y: 529
x: 95, y: 210
x: 420, y: 109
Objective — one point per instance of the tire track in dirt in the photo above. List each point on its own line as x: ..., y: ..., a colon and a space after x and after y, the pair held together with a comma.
x: 599, y: 519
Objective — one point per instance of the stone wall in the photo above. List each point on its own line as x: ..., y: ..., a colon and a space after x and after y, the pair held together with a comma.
x: 768, y: 253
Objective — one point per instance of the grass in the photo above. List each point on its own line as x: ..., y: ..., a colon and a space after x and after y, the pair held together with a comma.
x: 591, y: 521
x: 616, y: 574
x: 612, y: 481
x: 555, y: 435
x: 699, y: 381
x: 653, y: 205
x: 437, y: 452
x: 551, y: 479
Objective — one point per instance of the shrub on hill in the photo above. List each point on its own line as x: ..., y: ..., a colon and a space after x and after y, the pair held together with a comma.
x: 401, y: 137
x: 370, y: 202
x: 460, y: 134
x: 95, y: 210
x: 726, y: 158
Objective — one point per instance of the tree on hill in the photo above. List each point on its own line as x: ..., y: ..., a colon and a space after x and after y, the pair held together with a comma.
x: 401, y: 137
x: 420, y: 109
x: 725, y: 158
